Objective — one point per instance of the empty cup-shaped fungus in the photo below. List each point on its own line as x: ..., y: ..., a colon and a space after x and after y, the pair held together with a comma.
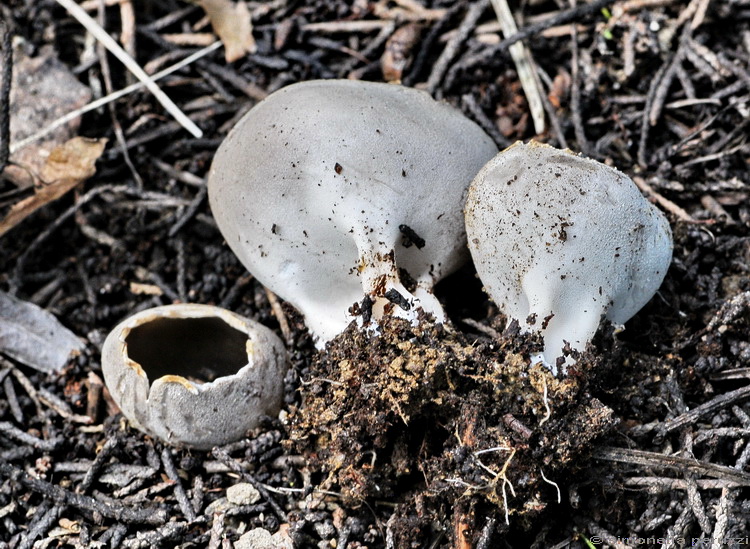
x: 560, y: 240
x: 339, y: 192
x: 194, y: 375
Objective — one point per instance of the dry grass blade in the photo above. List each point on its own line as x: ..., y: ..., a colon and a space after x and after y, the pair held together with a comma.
x: 345, y: 26
x: 524, y: 62
x: 113, y: 97
x: 102, y: 36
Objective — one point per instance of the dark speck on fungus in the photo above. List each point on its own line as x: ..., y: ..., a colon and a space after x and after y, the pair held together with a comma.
x: 410, y: 237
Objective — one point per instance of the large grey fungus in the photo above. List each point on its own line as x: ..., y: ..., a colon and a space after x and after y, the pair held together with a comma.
x: 339, y: 192
x: 194, y: 375
x: 560, y: 240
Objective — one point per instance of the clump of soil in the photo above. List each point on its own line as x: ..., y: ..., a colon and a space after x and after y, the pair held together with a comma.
x: 445, y: 424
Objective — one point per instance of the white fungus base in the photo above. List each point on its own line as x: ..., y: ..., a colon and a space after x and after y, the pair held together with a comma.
x: 311, y: 187
x: 561, y: 241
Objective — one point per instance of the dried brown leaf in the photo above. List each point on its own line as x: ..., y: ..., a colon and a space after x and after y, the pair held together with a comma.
x: 43, y: 90
x: 74, y: 159
x: 560, y: 89
x: 231, y: 22
x: 398, y: 51
x: 67, y: 165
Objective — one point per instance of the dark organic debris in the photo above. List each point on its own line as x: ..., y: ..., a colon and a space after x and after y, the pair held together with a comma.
x: 395, y: 297
x: 411, y: 237
x: 654, y: 87
x: 423, y: 408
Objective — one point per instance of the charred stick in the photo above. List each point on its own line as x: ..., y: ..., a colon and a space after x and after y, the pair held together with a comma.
x: 179, y: 490
x: 190, y: 211
x: 156, y: 538
x: 98, y: 463
x: 12, y: 398
x: 111, y: 508
x: 6, y: 70
x: 43, y: 520
x: 235, y: 291
x: 9, y: 430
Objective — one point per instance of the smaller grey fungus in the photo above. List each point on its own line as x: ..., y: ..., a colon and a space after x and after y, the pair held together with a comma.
x: 560, y: 240
x: 341, y: 192
x: 194, y: 375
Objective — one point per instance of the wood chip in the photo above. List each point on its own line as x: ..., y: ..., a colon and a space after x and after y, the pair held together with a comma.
x: 231, y: 22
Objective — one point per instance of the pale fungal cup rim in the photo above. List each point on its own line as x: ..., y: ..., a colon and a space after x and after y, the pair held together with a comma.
x: 185, y: 311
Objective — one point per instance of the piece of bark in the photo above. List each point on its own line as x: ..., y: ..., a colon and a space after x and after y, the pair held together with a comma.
x: 34, y: 337
x: 42, y: 91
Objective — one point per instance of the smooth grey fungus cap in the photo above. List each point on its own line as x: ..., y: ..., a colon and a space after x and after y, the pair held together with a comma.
x: 560, y: 240
x: 327, y: 189
x: 194, y: 375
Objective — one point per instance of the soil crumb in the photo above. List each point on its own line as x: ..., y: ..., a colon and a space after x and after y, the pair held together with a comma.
x: 445, y: 426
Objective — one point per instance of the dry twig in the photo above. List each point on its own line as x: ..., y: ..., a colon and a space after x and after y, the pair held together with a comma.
x: 112, y: 97
x: 466, y: 27
x: 662, y: 201
x: 710, y: 407
x: 655, y: 459
x: 102, y: 36
x: 525, y: 65
x: 6, y: 76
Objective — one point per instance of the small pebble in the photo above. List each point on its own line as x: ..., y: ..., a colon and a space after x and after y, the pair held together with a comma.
x: 218, y: 506
x: 243, y: 494
x: 325, y: 529
x: 260, y: 538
